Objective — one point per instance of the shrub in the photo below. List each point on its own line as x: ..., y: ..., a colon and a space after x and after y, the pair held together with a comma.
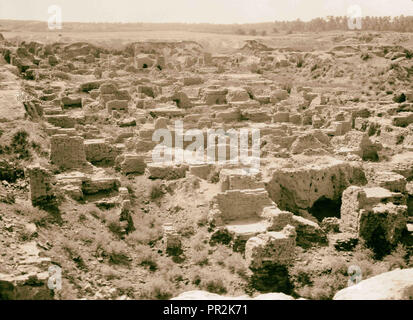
x: 147, y: 258
x: 320, y: 286
x: 287, y: 86
x: 156, y: 191
x: 365, y: 56
x: 124, y: 287
x: 186, y: 230
x: 98, y: 214
x: 8, y: 198
x: 85, y: 236
x: 209, y: 280
x: 321, y: 281
x: 237, y: 264
x: 37, y: 216
x: 393, y: 66
x: 220, y: 255
x: 150, y: 231
x: 324, y: 287
x: 170, y: 272
x: 200, y: 258
x: 114, y: 226
x: 199, y: 241
x: 202, y: 220
x: 397, y: 258
x: 213, y: 177
x: 101, y: 245
x: 399, y: 98
x: 25, y: 235
x: 399, y: 139
x: 110, y: 274
x: 118, y: 253
x: 20, y: 144
x: 213, y: 283
x: 364, y: 258
x: 221, y: 236
x: 72, y: 250
x: 196, y: 279
x: 373, y: 129
x: 157, y: 289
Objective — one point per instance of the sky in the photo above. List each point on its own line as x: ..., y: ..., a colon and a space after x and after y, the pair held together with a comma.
x: 197, y: 11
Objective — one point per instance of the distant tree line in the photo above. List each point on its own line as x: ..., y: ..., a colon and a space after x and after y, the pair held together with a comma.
x: 398, y: 24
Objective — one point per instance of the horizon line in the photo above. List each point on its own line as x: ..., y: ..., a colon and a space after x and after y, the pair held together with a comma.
x: 211, y: 23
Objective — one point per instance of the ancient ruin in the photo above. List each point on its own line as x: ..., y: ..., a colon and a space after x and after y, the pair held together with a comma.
x: 287, y: 171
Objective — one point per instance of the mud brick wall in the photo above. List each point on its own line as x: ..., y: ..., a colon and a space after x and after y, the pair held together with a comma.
x: 242, y: 204
x: 67, y: 152
x: 41, y: 186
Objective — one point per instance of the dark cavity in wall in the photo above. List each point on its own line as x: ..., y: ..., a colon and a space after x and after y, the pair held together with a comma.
x: 378, y: 243
x: 271, y: 278
x: 410, y: 207
x: 324, y: 208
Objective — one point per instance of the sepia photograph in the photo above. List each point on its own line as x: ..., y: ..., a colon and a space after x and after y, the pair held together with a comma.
x: 206, y: 154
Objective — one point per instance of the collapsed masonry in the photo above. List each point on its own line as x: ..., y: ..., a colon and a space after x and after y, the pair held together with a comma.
x: 376, y: 215
x: 271, y: 248
x: 30, y: 279
x: 251, y: 223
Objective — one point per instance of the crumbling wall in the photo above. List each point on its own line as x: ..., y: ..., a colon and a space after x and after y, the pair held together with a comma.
x: 67, y: 152
x: 239, y: 205
x: 293, y: 189
x: 41, y: 184
x: 271, y: 247
x: 131, y: 163
x: 239, y: 179
x: 25, y: 287
x: 374, y: 214
x: 98, y: 150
